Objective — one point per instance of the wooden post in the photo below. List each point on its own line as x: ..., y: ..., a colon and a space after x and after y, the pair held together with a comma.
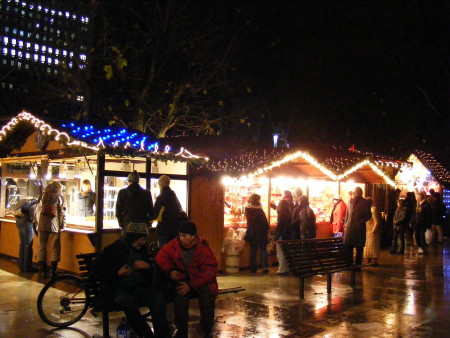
x: 301, y: 290
x: 329, y: 283
x: 99, y: 189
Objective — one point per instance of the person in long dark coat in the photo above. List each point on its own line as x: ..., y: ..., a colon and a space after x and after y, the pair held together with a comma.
x: 283, y: 232
x: 257, y: 226
x: 421, y: 221
x: 358, y: 213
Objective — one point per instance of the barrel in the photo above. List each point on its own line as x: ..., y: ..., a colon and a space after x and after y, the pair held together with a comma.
x: 232, y: 263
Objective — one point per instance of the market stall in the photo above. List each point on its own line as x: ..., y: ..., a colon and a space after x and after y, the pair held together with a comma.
x: 36, y: 152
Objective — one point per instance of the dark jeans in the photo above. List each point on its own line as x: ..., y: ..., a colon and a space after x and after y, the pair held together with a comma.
x: 207, y: 303
x: 419, y: 234
x: 399, y: 233
x: 262, y: 251
x: 130, y: 301
x: 359, y: 254
x: 26, y: 235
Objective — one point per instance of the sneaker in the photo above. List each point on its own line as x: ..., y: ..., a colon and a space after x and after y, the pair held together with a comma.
x: 420, y: 251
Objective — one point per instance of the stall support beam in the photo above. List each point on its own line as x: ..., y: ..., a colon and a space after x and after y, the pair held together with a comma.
x: 99, y: 188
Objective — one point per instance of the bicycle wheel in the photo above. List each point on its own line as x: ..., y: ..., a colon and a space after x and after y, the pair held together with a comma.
x: 62, y: 301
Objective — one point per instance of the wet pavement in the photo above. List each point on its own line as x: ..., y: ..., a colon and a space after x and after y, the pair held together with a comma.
x: 405, y: 296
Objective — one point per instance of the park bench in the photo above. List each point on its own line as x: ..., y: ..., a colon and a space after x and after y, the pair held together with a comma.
x: 93, y: 289
x: 311, y: 257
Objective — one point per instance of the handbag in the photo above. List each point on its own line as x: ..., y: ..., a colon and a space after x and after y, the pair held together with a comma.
x: 49, y: 210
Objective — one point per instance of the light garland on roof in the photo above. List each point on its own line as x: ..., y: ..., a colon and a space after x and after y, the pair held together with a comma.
x: 45, y: 128
x: 97, y: 139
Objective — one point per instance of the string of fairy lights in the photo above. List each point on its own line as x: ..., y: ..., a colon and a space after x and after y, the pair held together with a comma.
x: 92, y: 138
x: 432, y: 164
x: 256, y: 163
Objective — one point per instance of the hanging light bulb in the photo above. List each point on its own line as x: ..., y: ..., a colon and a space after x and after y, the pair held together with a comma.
x: 49, y: 172
x: 63, y: 171
x: 32, y: 173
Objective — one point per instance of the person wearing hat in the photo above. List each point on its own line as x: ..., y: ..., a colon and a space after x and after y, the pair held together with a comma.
x: 134, y: 204
x: 127, y: 278
x: 167, y: 227
x: 338, y: 216
x: 190, y: 262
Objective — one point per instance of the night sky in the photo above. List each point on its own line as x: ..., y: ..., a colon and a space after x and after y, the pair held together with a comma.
x: 369, y: 73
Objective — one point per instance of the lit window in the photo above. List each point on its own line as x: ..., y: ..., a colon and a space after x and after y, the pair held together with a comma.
x: 71, y: 54
x: 19, y: 64
x: 20, y: 43
x: 4, y: 61
x: 49, y: 61
x: 74, y: 16
x: 12, y: 62
x: 5, y: 51
x: 43, y: 48
x: 59, y: 13
x: 52, y: 21
x: 27, y: 55
x: 39, y: 8
x: 37, y: 25
x: 50, y: 50
x: 36, y: 47
x: 82, y: 66
x: 6, y: 29
x: 83, y: 57
x: 21, y: 33
x: 14, y: 31
x: 56, y: 51
x: 53, y: 12
x: 37, y: 36
x: 64, y: 53
x: 27, y: 66
x: 55, y: 72
x: 70, y: 65
x: 35, y: 57
x: 13, y: 52
x: 13, y: 42
x: 46, y: 10
x: 31, y: 6
x: 56, y: 61
x: 24, y: 4
x: 67, y: 14
x: 42, y: 59
x: 28, y: 45
x: 5, y: 40
x: 49, y: 70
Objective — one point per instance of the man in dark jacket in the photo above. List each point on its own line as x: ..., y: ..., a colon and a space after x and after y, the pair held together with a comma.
x: 128, y: 278
x: 167, y: 228
x: 191, y: 264
x: 134, y: 204
x: 358, y: 213
x: 421, y: 221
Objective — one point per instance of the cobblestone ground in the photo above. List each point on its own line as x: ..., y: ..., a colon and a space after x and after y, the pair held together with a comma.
x: 405, y: 296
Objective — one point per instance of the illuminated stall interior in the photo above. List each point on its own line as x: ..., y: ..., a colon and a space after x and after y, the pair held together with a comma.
x: 36, y: 152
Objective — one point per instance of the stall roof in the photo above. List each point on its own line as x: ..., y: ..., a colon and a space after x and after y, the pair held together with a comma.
x: 441, y: 173
x: 237, y: 157
x: 90, y: 138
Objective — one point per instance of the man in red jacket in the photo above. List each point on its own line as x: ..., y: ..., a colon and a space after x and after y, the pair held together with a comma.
x: 192, y: 265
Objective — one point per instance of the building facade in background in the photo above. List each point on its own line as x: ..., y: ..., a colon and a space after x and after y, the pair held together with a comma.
x: 44, y: 57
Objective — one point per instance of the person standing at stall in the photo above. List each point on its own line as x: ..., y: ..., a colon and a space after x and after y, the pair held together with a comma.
x: 134, y: 203
x: 86, y: 200
x: 421, y: 221
x: 338, y: 216
x: 257, y: 228
x: 24, y: 211
x: 373, y: 234
x: 283, y: 232
x: 358, y: 213
x: 50, y: 214
x: 167, y: 227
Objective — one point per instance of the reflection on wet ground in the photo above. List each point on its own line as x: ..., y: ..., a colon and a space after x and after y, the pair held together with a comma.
x: 405, y: 296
